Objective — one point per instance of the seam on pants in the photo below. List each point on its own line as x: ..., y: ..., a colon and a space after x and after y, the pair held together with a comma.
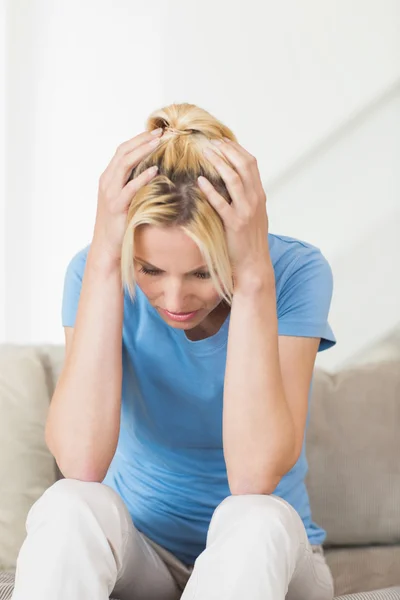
x: 321, y: 582
x: 307, y: 551
x: 120, y: 568
x: 310, y: 556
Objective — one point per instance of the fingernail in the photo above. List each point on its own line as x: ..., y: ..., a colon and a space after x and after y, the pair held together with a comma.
x: 216, y: 142
x: 156, y: 131
x: 153, y: 170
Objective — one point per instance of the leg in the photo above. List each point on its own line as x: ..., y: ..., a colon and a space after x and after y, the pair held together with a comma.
x: 81, y: 544
x: 312, y: 578
x: 255, y: 544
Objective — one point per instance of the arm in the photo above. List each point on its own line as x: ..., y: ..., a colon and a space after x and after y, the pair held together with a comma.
x: 267, y: 379
x: 83, y: 423
x: 267, y: 383
x: 84, y: 417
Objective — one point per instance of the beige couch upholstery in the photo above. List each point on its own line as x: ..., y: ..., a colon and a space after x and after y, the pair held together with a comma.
x: 353, y: 449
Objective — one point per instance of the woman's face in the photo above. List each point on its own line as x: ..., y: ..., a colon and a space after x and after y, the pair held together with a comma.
x: 173, y: 275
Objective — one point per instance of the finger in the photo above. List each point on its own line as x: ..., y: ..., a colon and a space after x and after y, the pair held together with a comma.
x: 129, y: 161
x: 244, y: 162
x: 131, y: 188
x: 217, y: 201
x: 231, y: 177
x: 256, y: 184
x: 237, y: 147
x: 127, y: 147
x: 125, y: 163
x: 137, y: 140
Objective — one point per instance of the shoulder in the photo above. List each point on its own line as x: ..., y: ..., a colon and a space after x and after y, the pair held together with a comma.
x: 304, y: 288
x: 297, y: 259
x: 286, y: 251
x: 77, y: 263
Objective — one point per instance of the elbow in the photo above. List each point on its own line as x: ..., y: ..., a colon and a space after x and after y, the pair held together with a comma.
x: 89, y: 473
x: 262, y: 486
x: 261, y: 481
x: 74, y: 467
x: 264, y: 483
x: 73, y: 464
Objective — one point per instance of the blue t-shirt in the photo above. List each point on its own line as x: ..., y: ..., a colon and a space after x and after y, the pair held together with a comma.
x: 169, y: 465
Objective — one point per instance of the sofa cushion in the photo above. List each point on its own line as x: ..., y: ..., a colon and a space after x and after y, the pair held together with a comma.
x: 353, y: 449
x: 364, y: 568
x: 27, y: 468
x: 52, y: 357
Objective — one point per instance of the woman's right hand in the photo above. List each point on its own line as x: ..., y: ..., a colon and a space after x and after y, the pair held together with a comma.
x: 115, y: 195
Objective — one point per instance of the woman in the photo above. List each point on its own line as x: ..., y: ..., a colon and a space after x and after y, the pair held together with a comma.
x: 183, y: 446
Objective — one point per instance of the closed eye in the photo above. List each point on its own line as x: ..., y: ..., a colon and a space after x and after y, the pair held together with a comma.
x: 154, y: 272
x: 148, y: 271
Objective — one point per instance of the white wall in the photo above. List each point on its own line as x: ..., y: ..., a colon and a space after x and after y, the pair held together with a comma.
x: 2, y: 171
x: 289, y: 79
x: 352, y: 189
x: 78, y: 87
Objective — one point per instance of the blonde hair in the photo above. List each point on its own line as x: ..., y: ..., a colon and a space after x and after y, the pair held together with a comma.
x: 173, y: 197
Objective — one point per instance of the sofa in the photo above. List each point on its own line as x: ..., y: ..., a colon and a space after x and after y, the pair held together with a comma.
x: 353, y: 451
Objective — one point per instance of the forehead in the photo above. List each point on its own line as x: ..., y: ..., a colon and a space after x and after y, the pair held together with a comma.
x: 166, y: 247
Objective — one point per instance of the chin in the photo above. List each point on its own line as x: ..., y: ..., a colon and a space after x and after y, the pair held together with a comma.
x: 181, y: 325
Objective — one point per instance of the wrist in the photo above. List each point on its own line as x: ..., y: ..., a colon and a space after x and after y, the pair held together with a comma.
x: 101, y: 259
x: 254, y: 279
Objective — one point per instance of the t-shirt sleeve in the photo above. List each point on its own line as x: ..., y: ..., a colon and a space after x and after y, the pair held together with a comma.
x: 304, y: 302
x: 72, y: 287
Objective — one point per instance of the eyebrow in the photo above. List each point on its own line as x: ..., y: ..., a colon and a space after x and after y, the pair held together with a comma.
x: 147, y: 264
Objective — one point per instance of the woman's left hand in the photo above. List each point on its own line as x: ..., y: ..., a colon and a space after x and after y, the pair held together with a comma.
x: 246, y: 219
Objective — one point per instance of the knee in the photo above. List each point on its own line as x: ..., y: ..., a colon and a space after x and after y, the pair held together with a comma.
x: 256, y: 512
x: 63, y: 502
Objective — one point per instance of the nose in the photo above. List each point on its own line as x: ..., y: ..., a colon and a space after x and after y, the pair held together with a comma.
x: 175, y: 297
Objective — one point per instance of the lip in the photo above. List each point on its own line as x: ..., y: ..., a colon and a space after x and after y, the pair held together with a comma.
x: 180, y: 317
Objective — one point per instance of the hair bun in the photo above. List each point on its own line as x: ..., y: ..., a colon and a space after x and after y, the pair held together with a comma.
x: 176, y: 131
x: 187, y: 119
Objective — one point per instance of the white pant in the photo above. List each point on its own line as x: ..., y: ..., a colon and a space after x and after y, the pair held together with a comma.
x: 82, y: 544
